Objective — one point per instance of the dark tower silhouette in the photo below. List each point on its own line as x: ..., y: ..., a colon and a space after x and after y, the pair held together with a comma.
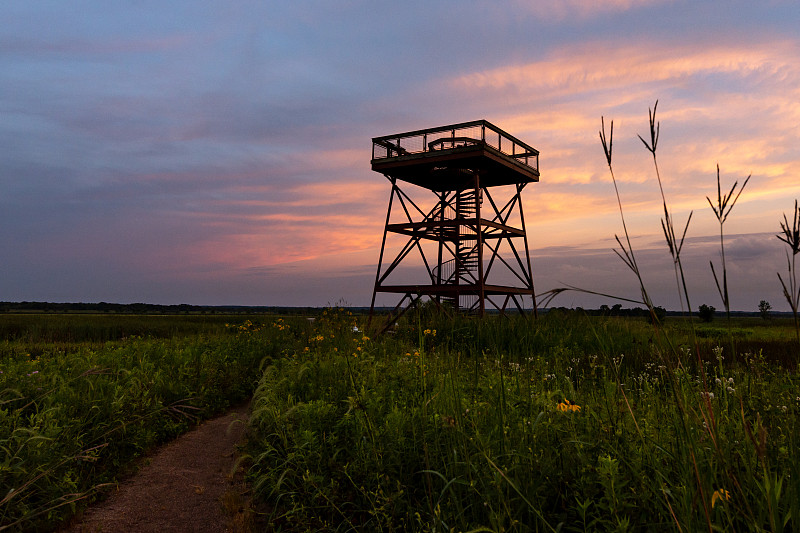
x: 472, y: 258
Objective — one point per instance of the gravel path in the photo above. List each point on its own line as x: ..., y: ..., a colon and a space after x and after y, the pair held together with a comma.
x: 185, y: 486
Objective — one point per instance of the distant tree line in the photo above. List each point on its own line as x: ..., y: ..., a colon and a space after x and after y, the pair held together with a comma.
x: 143, y: 308
x: 614, y: 310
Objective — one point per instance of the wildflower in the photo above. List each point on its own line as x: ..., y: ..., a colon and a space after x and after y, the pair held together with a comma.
x: 567, y: 406
x: 720, y: 494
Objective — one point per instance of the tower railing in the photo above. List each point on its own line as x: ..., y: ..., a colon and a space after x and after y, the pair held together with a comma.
x: 478, y: 132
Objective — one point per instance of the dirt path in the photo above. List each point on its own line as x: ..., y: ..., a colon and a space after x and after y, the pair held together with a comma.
x: 185, y: 486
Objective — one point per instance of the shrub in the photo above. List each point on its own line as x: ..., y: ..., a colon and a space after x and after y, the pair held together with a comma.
x: 706, y: 312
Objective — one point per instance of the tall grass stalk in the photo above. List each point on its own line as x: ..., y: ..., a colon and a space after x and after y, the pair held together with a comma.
x: 626, y: 254
x: 667, y: 224
x: 721, y: 210
x: 791, y: 236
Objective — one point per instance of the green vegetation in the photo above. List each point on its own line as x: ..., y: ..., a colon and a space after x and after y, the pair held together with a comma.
x: 572, y: 422
x: 581, y: 422
x: 81, y: 397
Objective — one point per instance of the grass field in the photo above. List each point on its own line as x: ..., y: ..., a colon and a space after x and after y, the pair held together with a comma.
x: 570, y: 422
x: 83, y: 396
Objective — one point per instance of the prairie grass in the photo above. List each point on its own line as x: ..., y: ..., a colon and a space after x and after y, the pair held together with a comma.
x: 74, y: 416
x: 791, y: 290
x: 674, y: 244
x: 568, y: 423
x: 722, y: 209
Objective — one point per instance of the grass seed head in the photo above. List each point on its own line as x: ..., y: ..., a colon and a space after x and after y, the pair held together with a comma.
x: 791, y: 235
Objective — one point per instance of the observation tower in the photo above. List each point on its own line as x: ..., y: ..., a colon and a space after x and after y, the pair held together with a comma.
x: 455, y: 223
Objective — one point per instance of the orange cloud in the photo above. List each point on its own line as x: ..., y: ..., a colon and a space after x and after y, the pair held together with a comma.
x: 597, y: 66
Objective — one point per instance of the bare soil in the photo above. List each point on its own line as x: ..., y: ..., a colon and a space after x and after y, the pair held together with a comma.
x: 188, y: 485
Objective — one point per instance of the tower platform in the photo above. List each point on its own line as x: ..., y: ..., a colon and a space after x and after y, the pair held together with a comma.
x: 446, y: 158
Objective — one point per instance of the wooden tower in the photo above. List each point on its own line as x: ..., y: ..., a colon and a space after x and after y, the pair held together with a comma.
x: 463, y: 237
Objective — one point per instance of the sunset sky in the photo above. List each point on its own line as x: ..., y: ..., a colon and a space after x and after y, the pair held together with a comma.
x: 217, y: 153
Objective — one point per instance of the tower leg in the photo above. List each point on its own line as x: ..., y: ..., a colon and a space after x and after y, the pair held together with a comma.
x: 527, y: 251
x: 380, y: 257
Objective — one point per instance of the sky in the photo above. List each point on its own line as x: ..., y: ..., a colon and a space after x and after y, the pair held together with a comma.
x: 218, y: 153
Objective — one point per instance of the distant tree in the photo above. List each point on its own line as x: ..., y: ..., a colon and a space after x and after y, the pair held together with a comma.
x: 706, y: 313
x: 764, y: 308
x: 604, y: 309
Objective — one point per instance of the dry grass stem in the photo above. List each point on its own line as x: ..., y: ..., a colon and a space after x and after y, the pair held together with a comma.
x: 667, y: 224
x: 721, y: 211
x: 626, y: 254
x: 791, y: 236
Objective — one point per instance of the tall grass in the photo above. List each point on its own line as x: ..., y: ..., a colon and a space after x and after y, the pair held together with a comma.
x: 73, y: 420
x: 569, y: 423
x: 625, y: 253
x: 791, y: 290
x: 674, y: 244
x: 721, y: 210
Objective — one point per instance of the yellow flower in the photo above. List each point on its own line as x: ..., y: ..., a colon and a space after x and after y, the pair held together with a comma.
x: 567, y: 406
x: 720, y: 494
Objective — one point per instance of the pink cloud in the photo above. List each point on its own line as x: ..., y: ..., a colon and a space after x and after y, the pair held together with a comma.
x: 582, y: 9
x: 596, y: 66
